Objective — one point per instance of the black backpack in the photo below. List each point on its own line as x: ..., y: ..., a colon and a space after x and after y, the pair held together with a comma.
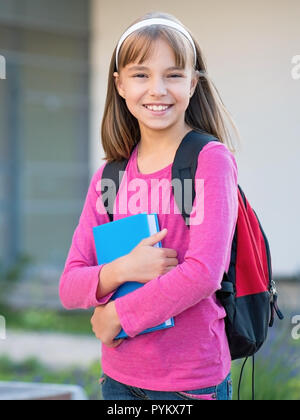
x: 248, y: 292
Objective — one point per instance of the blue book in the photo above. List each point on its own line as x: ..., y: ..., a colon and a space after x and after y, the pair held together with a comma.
x: 119, y: 238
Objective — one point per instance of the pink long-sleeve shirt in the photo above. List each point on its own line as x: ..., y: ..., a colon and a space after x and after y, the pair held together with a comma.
x: 194, y: 353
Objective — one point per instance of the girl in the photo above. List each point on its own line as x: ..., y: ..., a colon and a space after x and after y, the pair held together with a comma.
x: 158, y: 93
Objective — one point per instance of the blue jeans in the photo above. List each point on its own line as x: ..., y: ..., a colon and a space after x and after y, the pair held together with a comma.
x: 114, y: 390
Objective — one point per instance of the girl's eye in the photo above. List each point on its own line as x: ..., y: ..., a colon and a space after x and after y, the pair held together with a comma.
x: 172, y: 75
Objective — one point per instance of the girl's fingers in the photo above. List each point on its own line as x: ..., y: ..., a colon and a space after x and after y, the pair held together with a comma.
x: 115, y: 343
x: 118, y: 342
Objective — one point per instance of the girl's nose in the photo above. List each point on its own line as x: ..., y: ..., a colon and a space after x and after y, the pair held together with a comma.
x: 157, y: 87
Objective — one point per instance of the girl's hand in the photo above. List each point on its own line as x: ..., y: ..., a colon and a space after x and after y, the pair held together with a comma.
x: 145, y: 262
x: 106, y: 324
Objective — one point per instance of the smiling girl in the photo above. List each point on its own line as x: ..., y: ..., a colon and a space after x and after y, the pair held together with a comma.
x: 159, y: 93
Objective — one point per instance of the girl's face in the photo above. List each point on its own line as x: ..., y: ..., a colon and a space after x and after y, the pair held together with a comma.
x: 155, y: 82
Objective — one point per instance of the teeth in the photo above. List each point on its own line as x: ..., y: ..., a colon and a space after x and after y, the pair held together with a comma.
x: 156, y: 108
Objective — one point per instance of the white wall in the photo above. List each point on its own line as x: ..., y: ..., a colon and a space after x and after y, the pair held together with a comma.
x: 248, y: 47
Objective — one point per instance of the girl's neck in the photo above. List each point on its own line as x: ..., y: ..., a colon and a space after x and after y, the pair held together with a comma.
x: 154, y: 145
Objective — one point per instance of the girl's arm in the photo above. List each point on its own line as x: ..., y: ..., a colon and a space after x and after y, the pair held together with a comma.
x: 111, y: 276
x: 82, y: 283
x: 207, y: 257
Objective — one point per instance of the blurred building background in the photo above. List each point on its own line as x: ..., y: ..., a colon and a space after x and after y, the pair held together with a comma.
x: 44, y: 130
x: 51, y: 102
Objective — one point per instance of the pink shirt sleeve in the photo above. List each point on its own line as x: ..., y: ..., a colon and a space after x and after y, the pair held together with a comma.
x: 207, y: 257
x: 79, y: 280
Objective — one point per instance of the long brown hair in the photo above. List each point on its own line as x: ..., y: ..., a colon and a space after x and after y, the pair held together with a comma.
x: 120, y: 130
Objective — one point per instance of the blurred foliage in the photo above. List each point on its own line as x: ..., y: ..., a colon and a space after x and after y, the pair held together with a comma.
x: 277, y: 367
x: 273, y: 381
x: 277, y: 370
x: 39, y: 319
x: 31, y: 370
x: 11, y: 274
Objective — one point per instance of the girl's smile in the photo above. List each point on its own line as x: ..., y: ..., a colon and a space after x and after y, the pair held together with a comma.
x: 158, y: 110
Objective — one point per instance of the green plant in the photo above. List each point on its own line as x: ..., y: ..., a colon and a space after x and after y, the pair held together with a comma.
x: 277, y: 368
x: 10, y: 274
x: 39, y: 319
x: 31, y: 370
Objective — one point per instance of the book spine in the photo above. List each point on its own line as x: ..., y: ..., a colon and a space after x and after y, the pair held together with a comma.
x: 157, y: 228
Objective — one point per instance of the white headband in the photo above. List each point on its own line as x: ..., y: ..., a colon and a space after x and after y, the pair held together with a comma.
x: 155, y: 21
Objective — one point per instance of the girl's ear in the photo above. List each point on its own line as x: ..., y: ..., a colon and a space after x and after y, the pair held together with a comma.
x: 118, y: 84
x: 195, y: 80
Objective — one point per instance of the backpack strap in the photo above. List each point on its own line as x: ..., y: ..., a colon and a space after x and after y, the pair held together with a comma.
x: 113, y: 171
x: 184, y: 168
x: 243, y: 196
